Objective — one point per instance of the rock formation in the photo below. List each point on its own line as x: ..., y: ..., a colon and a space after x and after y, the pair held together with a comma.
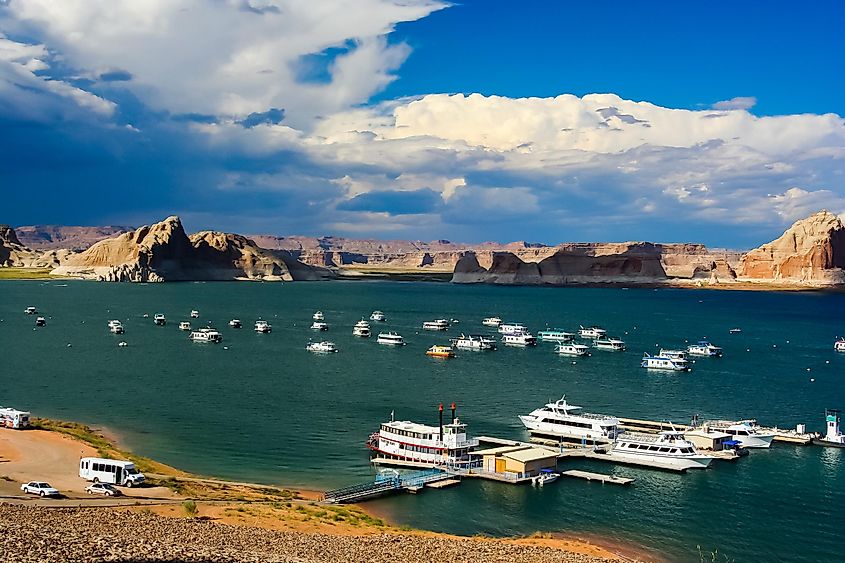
x: 810, y: 252
x: 15, y: 254
x: 55, y: 237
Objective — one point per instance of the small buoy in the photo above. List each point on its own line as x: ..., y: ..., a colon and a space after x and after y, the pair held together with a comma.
x: 748, y: 349
x: 827, y: 361
x: 787, y: 341
x: 808, y: 369
x: 812, y: 380
x: 225, y: 347
x: 774, y: 345
x: 573, y: 362
x: 68, y: 345
x: 626, y: 332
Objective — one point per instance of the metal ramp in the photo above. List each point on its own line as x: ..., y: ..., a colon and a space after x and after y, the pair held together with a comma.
x: 385, y: 482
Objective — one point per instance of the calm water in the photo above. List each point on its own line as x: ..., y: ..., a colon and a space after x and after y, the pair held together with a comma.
x: 266, y: 410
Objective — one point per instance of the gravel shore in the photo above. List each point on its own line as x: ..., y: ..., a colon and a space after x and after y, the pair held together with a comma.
x: 30, y: 534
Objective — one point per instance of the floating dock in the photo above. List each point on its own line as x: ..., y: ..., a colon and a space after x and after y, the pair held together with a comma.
x: 654, y: 426
x: 600, y: 477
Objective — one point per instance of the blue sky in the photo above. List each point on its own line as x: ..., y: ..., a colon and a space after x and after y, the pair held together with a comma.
x: 485, y: 120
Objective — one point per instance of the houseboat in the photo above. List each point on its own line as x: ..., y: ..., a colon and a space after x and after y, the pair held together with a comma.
x: 438, y: 324
x: 30, y: 310
x: 319, y: 325
x: 390, y: 338
x: 184, y: 325
x: 555, y: 335
x: 235, y: 323
x: 362, y: 329
x: 378, y: 317
x: 115, y: 327
x: 474, y: 342
x: 668, y: 449
x: 519, y: 339
x: 593, y: 332
x: 571, y: 349
x: 263, y: 327
x: 438, y: 351
x: 206, y: 335
x: 614, y: 344
x: 159, y: 319
x: 512, y: 328
x: 195, y: 314
x: 492, y: 321
x: 322, y: 347
x: 318, y: 316
x: 566, y: 423
x: 40, y: 321
x: 664, y: 363
x: 839, y: 345
x: 704, y: 348
x: 673, y: 354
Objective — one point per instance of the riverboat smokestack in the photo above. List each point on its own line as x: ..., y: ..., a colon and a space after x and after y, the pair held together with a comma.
x: 454, y: 410
x: 441, y: 422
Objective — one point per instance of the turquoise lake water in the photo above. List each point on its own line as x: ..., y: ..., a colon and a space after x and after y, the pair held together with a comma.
x: 266, y: 410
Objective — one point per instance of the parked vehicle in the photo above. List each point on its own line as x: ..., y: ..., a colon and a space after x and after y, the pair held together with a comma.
x: 103, y: 489
x: 110, y: 471
x: 39, y: 488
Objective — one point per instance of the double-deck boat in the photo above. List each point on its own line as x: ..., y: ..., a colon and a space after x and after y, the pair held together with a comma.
x: 492, y: 321
x: 667, y: 449
x: 323, y: 347
x: 704, y: 348
x: 438, y: 324
x: 235, y: 323
x: 159, y: 319
x: 474, y: 342
x: 195, y: 314
x: 390, y: 338
x: 438, y: 351
x: 378, y: 316
x: 519, y: 339
x: 664, y: 363
x: 40, y: 321
x: 571, y: 349
x: 421, y: 445
x: 318, y: 316
x: 319, y: 325
x: 362, y: 329
x: 30, y: 310
x: 555, y: 335
x: 833, y: 436
x: 673, y: 354
x: 614, y: 344
x: 512, y: 328
x: 747, y: 432
x: 566, y: 423
x: 593, y: 332
x: 206, y: 335
x: 263, y: 326
x: 839, y: 345
x: 184, y: 325
x: 115, y: 327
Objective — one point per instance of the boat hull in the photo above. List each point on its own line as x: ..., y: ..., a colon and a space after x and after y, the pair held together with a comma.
x: 663, y: 462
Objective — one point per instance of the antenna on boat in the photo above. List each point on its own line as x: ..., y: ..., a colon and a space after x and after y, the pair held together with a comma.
x: 454, y: 408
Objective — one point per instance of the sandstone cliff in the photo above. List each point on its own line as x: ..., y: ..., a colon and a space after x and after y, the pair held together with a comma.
x: 57, y: 237
x: 15, y: 254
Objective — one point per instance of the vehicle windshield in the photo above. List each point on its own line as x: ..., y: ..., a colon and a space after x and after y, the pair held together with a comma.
x: 131, y: 471
x: 44, y: 485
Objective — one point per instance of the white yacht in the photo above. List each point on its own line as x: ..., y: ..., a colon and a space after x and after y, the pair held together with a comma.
x: 159, y: 319
x: 438, y: 324
x: 378, y: 316
x: 184, y: 325
x: 566, y: 423
x: 40, y: 321
x: 519, y: 339
x: 474, y: 342
x: 30, y: 310
x: 362, y: 329
x: 114, y: 322
x: 318, y: 316
x: 390, y: 338
x: 555, y: 335
x: 512, y: 328
x: 704, y: 348
x: 593, y: 332
x: 664, y: 363
x: 115, y: 327
x: 206, y: 335
x: 492, y: 321
x: 614, y: 344
x: 263, y: 327
x: 421, y: 445
x: 235, y: 323
x: 839, y: 345
x: 570, y: 349
x: 833, y: 436
x: 319, y: 325
x: 673, y: 354
x: 325, y: 347
x: 747, y: 432
x: 668, y: 449
x: 195, y: 314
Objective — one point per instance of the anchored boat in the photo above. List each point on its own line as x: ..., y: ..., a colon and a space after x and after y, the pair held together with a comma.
x: 322, y: 347
x: 614, y: 344
x: 206, y: 335
x: 834, y: 436
x: 593, y: 332
x: 571, y: 349
x: 474, y: 342
x: 705, y: 349
x: 438, y: 324
x: 438, y: 351
x: 566, y: 423
x: 390, y: 338
x: 556, y: 335
x: 664, y: 363
x: 263, y: 327
x: 492, y: 321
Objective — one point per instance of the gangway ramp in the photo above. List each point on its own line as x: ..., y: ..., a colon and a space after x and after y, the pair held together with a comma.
x: 385, y: 483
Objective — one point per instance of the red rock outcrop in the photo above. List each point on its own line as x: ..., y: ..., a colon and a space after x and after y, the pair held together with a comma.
x: 55, y: 237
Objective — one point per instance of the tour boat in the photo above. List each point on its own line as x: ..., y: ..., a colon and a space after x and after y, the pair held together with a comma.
x: 673, y: 354
x: 492, y: 321
x: 40, y: 321
x: 378, y: 316
x: 834, y: 436
x: 30, y: 310
x: 593, y: 332
x: 546, y: 476
x: 839, y: 345
x: 555, y: 335
x: 440, y: 351
x: 195, y: 314
x: 362, y: 329
x: 570, y: 349
x: 664, y: 363
x: 235, y: 323
x: 390, y: 338
x: 324, y: 346
x: 512, y: 328
x: 159, y: 319
x: 263, y: 326
x: 614, y: 344
x: 319, y: 325
x: 318, y: 316
x: 668, y: 449
x: 747, y: 432
x: 566, y: 423
x: 206, y: 335
x: 704, y: 348
x: 474, y: 342
x: 438, y: 324
x: 421, y: 445
x: 184, y: 325
x: 519, y: 339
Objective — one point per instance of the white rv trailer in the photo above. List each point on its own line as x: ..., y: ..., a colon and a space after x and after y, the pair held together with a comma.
x: 12, y: 418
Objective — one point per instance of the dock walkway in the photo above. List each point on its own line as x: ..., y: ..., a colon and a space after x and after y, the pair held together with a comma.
x: 386, y: 484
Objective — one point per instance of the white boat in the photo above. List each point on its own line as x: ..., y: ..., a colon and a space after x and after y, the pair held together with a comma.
x: 593, y: 332
x: 519, y: 339
x: 492, y: 321
x: 30, y: 310
x: 390, y: 338
x: 159, y: 319
x: 474, y: 342
x: 839, y: 345
x: 40, y: 321
x: 735, y: 330
x: 318, y: 316
x: 319, y: 325
x: 325, y: 347
x: 206, y: 335
x: 421, y: 445
x: 664, y: 363
x: 545, y: 477
x: 570, y: 349
x: 235, y: 323
x: 438, y: 324
x: 555, y: 335
x: 362, y: 329
x: 747, y: 432
x: 195, y: 314
x: 378, y: 316
x: 114, y: 322
x: 567, y: 423
x: 668, y: 449
x: 673, y: 354
x: 184, y: 325
x: 263, y: 327
x: 116, y: 328
x: 614, y: 344
x: 833, y: 436
x: 704, y: 348
x: 512, y: 328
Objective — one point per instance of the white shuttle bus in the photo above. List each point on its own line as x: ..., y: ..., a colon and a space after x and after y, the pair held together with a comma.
x: 110, y: 471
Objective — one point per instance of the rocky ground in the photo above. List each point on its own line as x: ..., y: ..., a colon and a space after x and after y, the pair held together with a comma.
x: 29, y: 533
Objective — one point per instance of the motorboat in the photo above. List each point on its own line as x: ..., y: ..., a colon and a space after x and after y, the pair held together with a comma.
x: 40, y: 321
x: 566, y: 423
x: 390, y: 338
x: 613, y: 344
x: 438, y: 324
x: 263, y: 326
x: 438, y: 351
x: 673, y: 354
x: 323, y: 347
x: 571, y: 349
x: 519, y: 339
x: 378, y: 316
x: 195, y: 314
x: 839, y: 345
x: 115, y: 327
x: 184, y: 325
x: 206, y: 335
x: 555, y: 335
x: 704, y: 348
x: 159, y: 319
x: 235, y: 323
x: 318, y: 316
x: 664, y: 363
x: 545, y: 477
x: 735, y: 330
x: 30, y: 310
x: 593, y: 332
x: 668, y: 449
x: 833, y: 436
x: 474, y: 342
x: 362, y: 329
x: 319, y: 325
x: 512, y: 328
x: 492, y: 321
x: 747, y: 432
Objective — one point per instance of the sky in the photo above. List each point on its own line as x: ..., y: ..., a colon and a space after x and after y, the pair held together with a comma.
x: 546, y: 121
